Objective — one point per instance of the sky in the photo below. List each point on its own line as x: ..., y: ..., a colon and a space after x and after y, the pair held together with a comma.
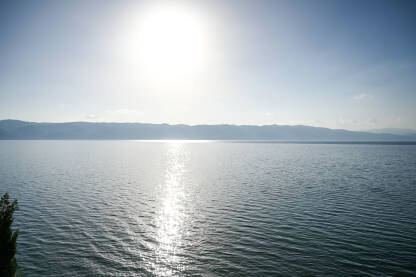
x: 336, y: 64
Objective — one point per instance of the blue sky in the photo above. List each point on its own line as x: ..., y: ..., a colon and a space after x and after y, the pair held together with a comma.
x: 337, y: 64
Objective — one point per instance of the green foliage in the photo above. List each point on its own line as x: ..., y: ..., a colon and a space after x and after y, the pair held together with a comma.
x: 8, y: 264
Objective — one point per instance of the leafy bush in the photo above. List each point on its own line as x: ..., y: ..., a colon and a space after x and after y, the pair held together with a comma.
x: 8, y: 238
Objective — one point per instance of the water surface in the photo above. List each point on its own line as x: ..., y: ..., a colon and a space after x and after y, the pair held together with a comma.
x: 135, y: 208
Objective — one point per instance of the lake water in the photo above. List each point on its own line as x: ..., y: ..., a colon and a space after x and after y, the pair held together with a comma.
x: 141, y: 208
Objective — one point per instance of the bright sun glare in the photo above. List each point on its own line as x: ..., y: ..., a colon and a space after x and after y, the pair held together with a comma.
x: 168, y: 42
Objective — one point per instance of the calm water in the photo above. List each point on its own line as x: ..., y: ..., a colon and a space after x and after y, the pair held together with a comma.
x: 131, y: 208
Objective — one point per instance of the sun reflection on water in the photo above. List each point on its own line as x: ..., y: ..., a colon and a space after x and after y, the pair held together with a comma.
x: 172, y: 214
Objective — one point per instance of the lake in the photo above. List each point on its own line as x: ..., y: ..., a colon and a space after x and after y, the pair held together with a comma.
x: 211, y: 208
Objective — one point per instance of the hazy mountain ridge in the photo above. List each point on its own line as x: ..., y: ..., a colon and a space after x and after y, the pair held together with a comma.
x: 16, y: 129
x: 393, y: 131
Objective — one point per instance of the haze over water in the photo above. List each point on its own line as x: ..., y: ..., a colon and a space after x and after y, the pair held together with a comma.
x: 181, y: 208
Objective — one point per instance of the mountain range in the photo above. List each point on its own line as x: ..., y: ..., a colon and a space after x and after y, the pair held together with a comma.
x: 394, y: 131
x: 20, y: 130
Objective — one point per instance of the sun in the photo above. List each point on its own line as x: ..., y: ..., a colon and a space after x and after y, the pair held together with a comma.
x: 168, y: 41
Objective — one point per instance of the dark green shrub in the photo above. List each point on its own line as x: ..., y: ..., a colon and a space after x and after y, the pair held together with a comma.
x: 8, y: 264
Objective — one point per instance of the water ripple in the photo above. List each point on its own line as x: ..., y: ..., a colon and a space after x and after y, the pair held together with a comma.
x: 131, y: 208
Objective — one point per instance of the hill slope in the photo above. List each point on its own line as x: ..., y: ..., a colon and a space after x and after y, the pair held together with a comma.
x: 15, y: 129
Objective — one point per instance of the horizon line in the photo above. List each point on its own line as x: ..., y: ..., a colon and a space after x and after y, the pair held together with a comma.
x: 194, y: 125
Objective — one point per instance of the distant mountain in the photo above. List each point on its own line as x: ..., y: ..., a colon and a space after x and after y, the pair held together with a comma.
x: 393, y: 131
x: 15, y: 129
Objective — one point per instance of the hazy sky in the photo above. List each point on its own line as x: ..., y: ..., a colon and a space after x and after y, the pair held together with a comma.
x: 338, y: 64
